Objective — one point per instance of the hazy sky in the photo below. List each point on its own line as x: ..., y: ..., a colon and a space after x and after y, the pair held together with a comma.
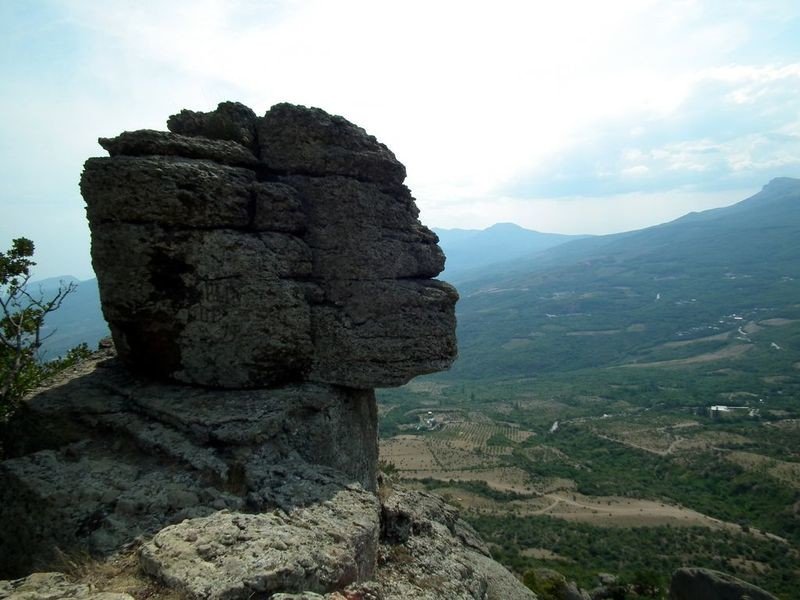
x: 563, y: 116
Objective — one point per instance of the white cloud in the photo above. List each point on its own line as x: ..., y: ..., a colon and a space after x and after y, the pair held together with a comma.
x: 464, y: 92
x: 636, y: 170
x: 712, y: 139
x: 588, y: 97
x: 589, y: 214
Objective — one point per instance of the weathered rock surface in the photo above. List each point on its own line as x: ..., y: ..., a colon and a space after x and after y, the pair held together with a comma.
x: 180, y: 193
x: 108, y: 461
x: 230, y: 121
x: 322, y: 547
x: 387, y: 328
x: 106, y: 457
x: 300, y: 140
x: 427, y: 552
x: 148, y: 142
x: 572, y: 592
x: 693, y: 583
x: 208, y: 307
x: 225, y: 268
x: 231, y: 494
x: 389, y: 243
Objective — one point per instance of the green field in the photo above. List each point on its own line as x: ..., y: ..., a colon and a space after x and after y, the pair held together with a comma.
x: 644, y: 434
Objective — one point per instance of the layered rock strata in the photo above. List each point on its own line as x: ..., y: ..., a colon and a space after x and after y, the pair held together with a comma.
x: 243, y: 252
x: 224, y: 494
x: 277, y: 266
x: 107, y: 457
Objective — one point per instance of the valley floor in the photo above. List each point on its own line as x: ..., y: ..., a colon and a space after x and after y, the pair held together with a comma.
x: 546, y: 470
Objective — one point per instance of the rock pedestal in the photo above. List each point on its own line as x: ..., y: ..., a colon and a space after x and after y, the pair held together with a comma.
x: 276, y: 265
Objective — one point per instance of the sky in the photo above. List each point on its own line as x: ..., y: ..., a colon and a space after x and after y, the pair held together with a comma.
x: 568, y: 116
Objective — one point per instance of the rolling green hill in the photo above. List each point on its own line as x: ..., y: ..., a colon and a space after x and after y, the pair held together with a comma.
x: 635, y: 297
x: 606, y: 380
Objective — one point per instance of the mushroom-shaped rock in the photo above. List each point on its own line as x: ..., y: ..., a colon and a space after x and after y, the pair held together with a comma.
x: 245, y: 252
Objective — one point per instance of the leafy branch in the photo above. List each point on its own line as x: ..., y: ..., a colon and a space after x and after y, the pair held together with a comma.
x: 22, y: 315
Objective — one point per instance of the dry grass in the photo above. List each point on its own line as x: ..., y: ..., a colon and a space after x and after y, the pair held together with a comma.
x: 734, y: 351
x: 625, y: 512
x: 745, y: 565
x: 661, y: 439
x: 591, y: 333
x: 600, y: 511
x: 516, y: 343
x: 752, y: 327
x: 408, y: 453
x: 790, y: 424
x: 119, y: 574
x: 778, y: 322
x: 787, y: 472
x: 544, y: 554
x: 504, y: 479
x: 458, y: 446
x: 710, y: 338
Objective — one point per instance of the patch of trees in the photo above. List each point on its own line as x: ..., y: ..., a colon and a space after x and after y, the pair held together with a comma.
x: 23, y: 311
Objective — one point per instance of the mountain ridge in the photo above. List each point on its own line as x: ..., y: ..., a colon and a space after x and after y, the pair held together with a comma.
x: 648, y: 286
x: 769, y: 197
x: 471, y: 249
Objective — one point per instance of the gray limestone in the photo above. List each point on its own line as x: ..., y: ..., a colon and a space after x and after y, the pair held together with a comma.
x: 105, y: 457
x: 225, y: 269
x: 299, y: 140
x: 230, y: 121
x: 691, y: 583
x: 148, y: 142
x: 393, y: 330
x: 428, y: 552
x: 321, y: 547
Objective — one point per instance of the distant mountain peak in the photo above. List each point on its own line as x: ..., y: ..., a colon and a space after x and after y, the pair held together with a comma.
x: 507, y: 225
x: 50, y: 282
x: 470, y: 249
x: 781, y: 183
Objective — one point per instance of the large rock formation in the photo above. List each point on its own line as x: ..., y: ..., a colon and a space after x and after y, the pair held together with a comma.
x: 265, y: 251
x: 277, y: 266
x: 105, y: 457
x: 691, y: 583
